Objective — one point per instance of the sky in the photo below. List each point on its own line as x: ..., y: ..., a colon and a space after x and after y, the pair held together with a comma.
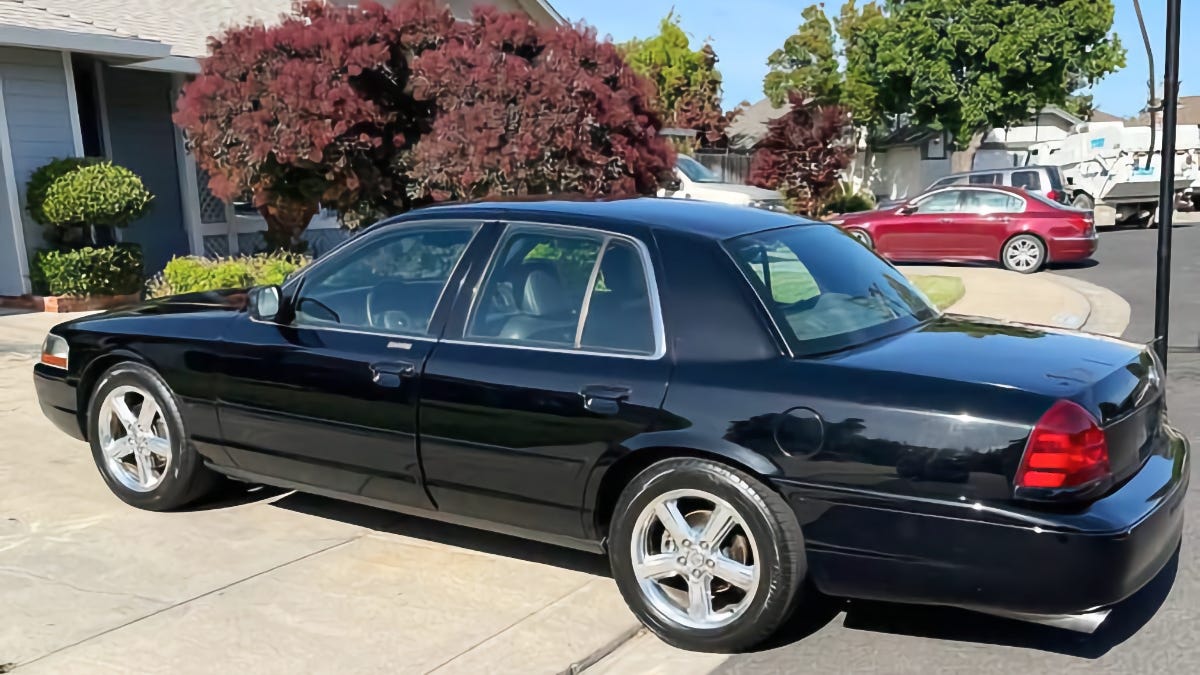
x: 745, y: 32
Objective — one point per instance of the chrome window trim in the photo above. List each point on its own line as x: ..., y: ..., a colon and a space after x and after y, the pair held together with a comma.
x: 511, y: 226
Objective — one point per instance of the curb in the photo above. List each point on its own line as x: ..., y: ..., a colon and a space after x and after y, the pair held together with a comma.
x: 1110, y: 313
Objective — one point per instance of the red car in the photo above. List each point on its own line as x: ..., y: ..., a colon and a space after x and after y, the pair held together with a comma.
x: 1021, y: 230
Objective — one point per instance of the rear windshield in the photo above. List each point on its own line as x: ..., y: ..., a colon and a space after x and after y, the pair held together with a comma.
x: 825, y: 290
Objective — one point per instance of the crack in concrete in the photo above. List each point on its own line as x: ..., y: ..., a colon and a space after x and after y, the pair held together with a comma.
x: 19, y: 572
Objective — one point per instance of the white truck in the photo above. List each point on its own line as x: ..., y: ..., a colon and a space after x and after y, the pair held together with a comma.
x: 1104, y: 167
x: 696, y: 181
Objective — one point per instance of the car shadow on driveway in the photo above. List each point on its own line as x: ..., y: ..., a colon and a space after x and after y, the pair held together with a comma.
x: 947, y: 623
x: 482, y: 541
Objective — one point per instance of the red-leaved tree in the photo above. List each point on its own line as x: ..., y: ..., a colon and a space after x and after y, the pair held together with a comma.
x: 313, y: 111
x: 524, y: 109
x: 804, y: 152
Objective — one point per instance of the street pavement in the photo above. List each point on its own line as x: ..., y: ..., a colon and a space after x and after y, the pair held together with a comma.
x: 1154, y: 632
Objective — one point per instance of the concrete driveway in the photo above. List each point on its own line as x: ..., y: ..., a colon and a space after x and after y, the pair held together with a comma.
x: 262, y: 581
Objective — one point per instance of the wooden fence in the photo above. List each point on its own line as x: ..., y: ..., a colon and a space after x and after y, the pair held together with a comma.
x: 732, y: 167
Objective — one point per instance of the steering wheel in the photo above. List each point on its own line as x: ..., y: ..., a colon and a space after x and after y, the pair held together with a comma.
x: 380, y: 316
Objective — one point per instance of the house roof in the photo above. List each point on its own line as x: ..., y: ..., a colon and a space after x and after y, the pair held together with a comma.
x: 1189, y: 112
x: 183, y: 26
x: 40, y: 23
x: 1101, y: 116
x: 750, y: 127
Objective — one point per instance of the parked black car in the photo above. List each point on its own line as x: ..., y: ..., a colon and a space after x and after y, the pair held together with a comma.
x: 742, y: 408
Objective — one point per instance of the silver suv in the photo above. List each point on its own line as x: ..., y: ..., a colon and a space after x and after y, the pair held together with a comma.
x: 1045, y: 180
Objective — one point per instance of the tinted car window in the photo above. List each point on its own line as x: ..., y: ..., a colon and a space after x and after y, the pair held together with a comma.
x: 942, y: 202
x: 618, y: 313
x: 390, y: 284
x: 825, y: 290
x: 1027, y: 180
x: 553, y: 288
x: 985, y: 179
x: 987, y: 201
x: 949, y: 180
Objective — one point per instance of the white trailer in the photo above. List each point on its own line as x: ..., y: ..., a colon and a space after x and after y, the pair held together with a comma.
x: 1104, y: 167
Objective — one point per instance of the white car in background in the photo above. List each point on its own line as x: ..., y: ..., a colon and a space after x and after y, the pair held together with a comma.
x: 696, y: 181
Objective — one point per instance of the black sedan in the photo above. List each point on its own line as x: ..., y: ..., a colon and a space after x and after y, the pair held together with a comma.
x: 745, y: 410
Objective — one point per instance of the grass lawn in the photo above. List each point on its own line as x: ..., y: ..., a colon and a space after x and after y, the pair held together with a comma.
x: 943, y: 291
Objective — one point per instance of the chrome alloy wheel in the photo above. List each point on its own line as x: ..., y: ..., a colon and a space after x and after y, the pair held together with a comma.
x: 1023, y: 254
x: 695, y: 559
x: 134, y: 438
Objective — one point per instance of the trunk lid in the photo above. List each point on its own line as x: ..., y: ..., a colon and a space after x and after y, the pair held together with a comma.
x: 1117, y: 382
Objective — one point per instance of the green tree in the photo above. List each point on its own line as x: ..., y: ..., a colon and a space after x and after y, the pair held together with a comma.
x: 806, y: 62
x: 688, y: 82
x: 967, y: 66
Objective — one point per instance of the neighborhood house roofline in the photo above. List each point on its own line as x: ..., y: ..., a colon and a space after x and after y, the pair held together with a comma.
x: 93, y: 43
x: 138, y: 34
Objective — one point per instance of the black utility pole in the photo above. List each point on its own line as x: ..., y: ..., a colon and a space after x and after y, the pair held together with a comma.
x: 1166, y: 189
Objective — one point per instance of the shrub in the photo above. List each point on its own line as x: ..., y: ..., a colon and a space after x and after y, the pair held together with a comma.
x: 107, y: 270
x: 313, y: 110
x: 848, y: 201
x: 101, y: 194
x: 804, y: 152
x: 45, y: 176
x: 194, y: 274
x: 524, y: 109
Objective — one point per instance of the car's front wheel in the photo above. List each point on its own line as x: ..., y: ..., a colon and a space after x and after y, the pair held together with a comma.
x: 708, y: 557
x: 139, y: 442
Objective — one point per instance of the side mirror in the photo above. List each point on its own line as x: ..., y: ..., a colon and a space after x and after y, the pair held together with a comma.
x: 673, y: 184
x: 906, y: 210
x: 265, y: 302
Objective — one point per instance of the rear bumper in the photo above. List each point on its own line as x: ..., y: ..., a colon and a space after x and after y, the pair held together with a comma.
x: 1064, y: 249
x: 1015, y: 561
x: 56, y: 395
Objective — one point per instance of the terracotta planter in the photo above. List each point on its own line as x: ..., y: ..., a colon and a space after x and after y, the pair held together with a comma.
x: 67, y: 303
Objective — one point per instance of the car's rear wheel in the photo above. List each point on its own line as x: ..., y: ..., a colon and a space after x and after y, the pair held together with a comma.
x: 862, y: 236
x: 139, y: 442
x: 707, y: 557
x: 1023, y: 253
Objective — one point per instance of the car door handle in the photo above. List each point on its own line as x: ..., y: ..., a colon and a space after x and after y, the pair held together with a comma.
x: 946, y: 220
x: 604, y: 399
x: 392, y: 373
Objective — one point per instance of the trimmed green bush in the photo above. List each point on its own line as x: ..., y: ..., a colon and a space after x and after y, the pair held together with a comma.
x: 107, y: 270
x: 194, y: 274
x: 44, y: 177
x: 849, y: 202
x: 101, y: 195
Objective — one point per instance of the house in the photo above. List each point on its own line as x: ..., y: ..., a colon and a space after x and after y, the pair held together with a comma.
x: 908, y: 159
x: 100, y: 78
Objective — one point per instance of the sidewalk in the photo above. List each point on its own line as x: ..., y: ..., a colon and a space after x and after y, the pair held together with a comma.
x: 1044, y: 299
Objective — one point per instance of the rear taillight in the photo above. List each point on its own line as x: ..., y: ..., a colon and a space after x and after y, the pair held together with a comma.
x: 1053, y: 195
x: 1067, y: 449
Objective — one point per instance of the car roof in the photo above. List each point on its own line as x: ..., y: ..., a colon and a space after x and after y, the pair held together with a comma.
x: 1007, y: 169
x: 704, y: 219
x: 1019, y: 192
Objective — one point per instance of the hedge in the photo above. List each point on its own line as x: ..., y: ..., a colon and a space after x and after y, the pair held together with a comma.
x: 194, y: 274
x: 107, y: 270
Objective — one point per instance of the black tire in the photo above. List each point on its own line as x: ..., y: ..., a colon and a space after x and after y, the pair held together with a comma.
x: 1027, y: 242
x: 862, y: 236
x: 186, y: 478
x: 780, y: 548
x: 1084, y: 201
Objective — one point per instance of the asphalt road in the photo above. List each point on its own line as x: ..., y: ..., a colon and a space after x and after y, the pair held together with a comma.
x: 1155, y: 631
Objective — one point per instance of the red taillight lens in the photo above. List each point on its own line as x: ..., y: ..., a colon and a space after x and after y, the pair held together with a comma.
x: 1066, y: 449
x: 1052, y: 196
